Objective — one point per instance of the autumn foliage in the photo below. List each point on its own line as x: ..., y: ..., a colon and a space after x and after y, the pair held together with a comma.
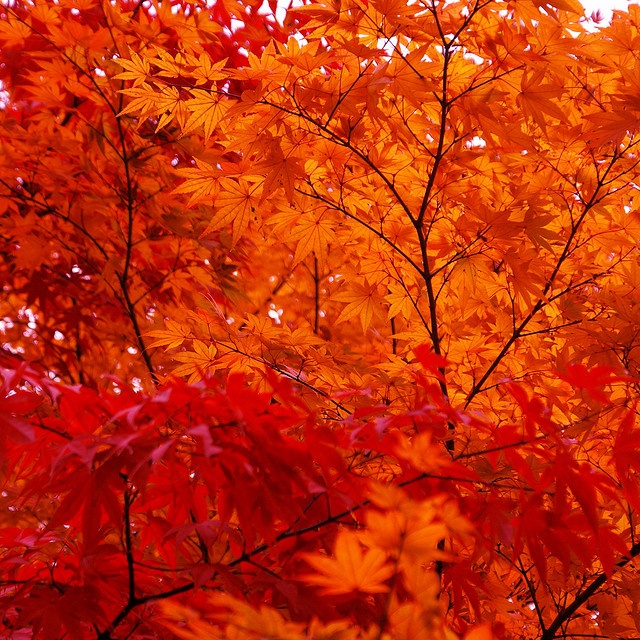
x: 320, y: 323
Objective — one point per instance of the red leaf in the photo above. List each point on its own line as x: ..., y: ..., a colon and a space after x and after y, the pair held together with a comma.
x: 591, y: 380
x: 432, y: 362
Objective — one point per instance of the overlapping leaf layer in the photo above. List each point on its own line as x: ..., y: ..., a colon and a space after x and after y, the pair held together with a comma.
x: 320, y: 323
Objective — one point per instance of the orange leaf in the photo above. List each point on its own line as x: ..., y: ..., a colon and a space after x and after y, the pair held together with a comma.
x: 207, y: 110
x: 350, y: 569
x: 361, y: 302
x: 236, y: 204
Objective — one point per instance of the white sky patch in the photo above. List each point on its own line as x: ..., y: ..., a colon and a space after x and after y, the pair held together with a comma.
x: 605, y: 8
x: 476, y: 143
x: 4, y: 96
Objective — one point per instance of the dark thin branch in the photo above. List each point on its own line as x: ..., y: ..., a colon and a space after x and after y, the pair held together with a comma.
x: 532, y: 594
x: 337, y: 207
x: 278, y: 369
x: 316, y: 297
x: 142, y: 347
x: 565, y: 615
x: 128, y: 543
x: 326, y: 133
x: 542, y: 300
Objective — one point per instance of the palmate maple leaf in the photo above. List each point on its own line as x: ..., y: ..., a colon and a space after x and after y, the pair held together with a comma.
x: 362, y: 301
x: 350, y: 569
x: 236, y: 204
x: 536, y: 99
x: 207, y: 110
x: 399, y: 300
x: 150, y: 103
x: 196, y: 362
x: 171, y: 337
x: 281, y: 170
x: 591, y: 380
x: 201, y: 182
x: 137, y: 69
x: 313, y: 233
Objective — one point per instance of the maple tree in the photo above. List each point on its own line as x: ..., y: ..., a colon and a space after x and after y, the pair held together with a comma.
x: 323, y: 325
